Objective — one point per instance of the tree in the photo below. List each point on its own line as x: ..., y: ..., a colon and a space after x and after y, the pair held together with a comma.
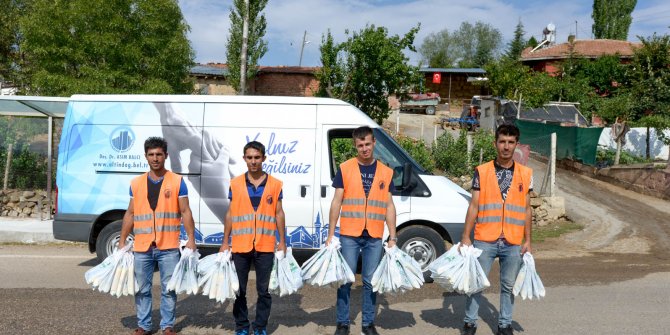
x: 438, y: 50
x: 612, y: 18
x: 366, y: 68
x: 650, y: 85
x: 469, y: 46
x: 97, y: 46
x: 256, y: 46
x: 9, y: 37
x: 518, y: 43
x: 532, y: 42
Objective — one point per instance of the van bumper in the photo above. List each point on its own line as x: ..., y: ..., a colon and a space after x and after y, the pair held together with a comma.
x: 455, y: 230
x: 73, y: 227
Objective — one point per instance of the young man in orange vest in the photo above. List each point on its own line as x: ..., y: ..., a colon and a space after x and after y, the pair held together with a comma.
x: 363, y: 202
x: 500, y: 214
x: 158, y: 205
x: 254, y: 219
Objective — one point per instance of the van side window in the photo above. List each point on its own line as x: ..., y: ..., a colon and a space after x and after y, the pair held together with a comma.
x: 340, y: 148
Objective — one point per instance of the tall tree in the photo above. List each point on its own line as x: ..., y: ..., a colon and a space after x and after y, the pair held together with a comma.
x: 366, y: 68
x: 256, y: 46
x: 9, y: 37
x: 650, y: 85
x: 98, y: 46
x: 518, y: 43
x: 468, y: 46
x: 612, y: 18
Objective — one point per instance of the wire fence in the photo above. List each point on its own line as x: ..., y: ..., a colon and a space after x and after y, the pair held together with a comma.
x: 543, y: 161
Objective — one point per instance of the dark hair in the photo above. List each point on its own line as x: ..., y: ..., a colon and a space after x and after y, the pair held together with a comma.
x: 155, y: 142
x: 254, y: 145
x: 508, y: 130
x: 361, y: 132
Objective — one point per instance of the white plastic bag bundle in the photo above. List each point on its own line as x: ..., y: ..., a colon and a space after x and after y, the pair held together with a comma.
x: 327, y: 267
x: 116, y: 274
x: 217, y: 276
x: 185, y: 275
x: 285, y: 277
x: 397, y: 272
x: 528, y: 282
x: 459, y: 270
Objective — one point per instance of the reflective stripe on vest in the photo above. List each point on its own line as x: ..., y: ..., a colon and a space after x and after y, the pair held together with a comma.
x: 359, y: 212
x: 163, y: 225
x: 497, y: 217
x: 254, y: 230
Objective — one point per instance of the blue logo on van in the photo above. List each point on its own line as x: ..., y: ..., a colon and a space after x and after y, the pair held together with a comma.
x: 122, y: 139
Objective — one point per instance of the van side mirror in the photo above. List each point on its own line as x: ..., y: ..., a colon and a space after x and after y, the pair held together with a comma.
x: 407, y: 177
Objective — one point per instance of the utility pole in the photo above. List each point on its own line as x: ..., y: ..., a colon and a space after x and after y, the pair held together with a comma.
x: 302, y: 47
x: 243, y: 54
x: 575, y: 29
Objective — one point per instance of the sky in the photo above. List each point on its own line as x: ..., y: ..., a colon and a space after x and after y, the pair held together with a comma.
x: 288, y: 20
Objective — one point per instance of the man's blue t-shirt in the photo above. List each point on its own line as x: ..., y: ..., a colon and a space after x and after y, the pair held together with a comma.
x: 183, y: 191
x: 255, y: 193
x: 367, y: 176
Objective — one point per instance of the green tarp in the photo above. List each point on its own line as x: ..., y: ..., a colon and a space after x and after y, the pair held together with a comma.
x: 579, y: 144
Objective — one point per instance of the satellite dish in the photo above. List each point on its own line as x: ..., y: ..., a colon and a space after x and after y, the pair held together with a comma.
x: 551, y: 27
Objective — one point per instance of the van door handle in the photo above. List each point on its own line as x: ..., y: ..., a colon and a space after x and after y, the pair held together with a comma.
x: 303, y: 191
x: 324, y: 188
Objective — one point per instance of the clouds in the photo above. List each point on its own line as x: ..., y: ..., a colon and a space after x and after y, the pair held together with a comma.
x: 289, y: 19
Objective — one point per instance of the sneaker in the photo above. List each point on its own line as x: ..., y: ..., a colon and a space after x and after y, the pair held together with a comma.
x: 242, y: 332
x: 369, y: 330
x: 342, y: 329
x: 260, y: 332
x: 469, y: 329
x: 169, y: 331
x: 140, y: 331
x: 505, y: 331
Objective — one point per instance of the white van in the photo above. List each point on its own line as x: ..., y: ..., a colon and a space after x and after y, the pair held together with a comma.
x: 101, y: 150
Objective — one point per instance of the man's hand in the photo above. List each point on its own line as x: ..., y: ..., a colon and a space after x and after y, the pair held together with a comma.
x: 281, y: 247
x: 122, y: 243
x: 391, y: 243
x: 190, y: 244
x: 465, y: 240
x: 526, y: 247
x: 224, y: 247
x: 329, y: 239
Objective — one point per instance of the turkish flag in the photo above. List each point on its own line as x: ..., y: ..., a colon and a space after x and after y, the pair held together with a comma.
x: 437, y: 78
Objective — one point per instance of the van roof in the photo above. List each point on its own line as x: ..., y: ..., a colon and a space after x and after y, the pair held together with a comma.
x: 258, y: 99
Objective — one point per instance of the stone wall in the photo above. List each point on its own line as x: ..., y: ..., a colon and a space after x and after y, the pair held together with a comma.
x: 24, y: 204
x: 649, y: 179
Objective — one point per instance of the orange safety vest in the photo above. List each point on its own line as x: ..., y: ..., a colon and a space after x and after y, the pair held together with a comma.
x: 254, y: 229
x: 358, y: 211
x: 162, y: 225
x: 496, y: 216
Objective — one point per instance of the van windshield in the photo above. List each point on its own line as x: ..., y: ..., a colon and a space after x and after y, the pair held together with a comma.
x: 390, y: 153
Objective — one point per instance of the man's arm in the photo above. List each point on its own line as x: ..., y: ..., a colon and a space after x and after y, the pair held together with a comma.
x: 281, y: 227
x: 527, y: 226
x: 127, y: 225
x: 391, y: 221
x: 187, y: 219
x: 227, y: 229
x: 335, y: 207
x: 470, y: 218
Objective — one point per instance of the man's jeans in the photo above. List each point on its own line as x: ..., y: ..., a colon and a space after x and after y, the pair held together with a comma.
x: 371, y: 248
x: 262, y: 262
x: 145, y: 263
x: 509, y: 257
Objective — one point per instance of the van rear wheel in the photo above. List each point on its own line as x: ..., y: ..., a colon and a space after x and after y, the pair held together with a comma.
x: 108, y: 239
x: 423, y: 244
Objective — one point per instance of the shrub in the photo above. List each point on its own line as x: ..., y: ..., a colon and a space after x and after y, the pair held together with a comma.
x: 451, y: 154
x: 418, y: 150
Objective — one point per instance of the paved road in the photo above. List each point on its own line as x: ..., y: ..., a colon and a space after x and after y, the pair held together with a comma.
x: 42, y: 289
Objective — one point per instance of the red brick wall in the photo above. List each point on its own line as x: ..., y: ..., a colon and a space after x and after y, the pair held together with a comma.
x: 286, y: 84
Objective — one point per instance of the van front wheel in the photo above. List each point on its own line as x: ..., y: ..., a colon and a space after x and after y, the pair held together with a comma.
x: 423, y: 244
x: 108, y: 239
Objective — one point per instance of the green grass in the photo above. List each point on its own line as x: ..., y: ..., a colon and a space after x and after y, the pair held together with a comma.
x: 554, y: 230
